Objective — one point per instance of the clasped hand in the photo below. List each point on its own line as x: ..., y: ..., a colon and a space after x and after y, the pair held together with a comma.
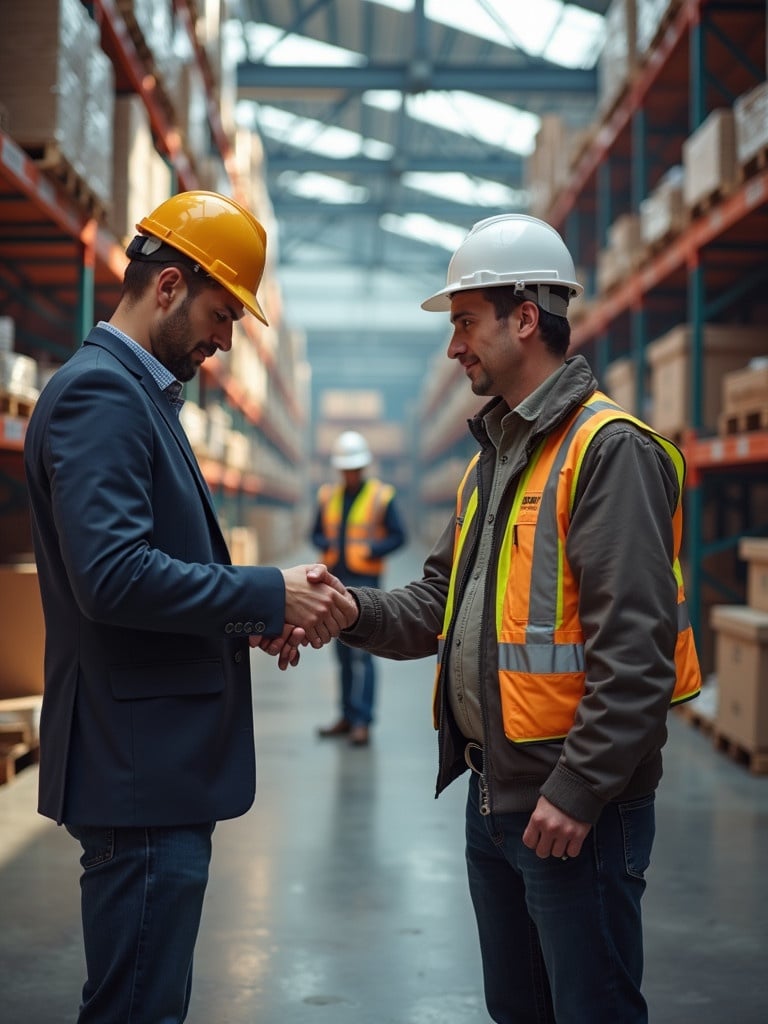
x: 317, y: 607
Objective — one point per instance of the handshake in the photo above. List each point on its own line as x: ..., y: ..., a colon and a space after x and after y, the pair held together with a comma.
x: 317, y: 607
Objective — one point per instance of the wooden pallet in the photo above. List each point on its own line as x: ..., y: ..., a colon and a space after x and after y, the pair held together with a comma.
x: 743, y: 421
x: 754, y: 165
x: 755, y: 760
x: 57, y: 166
x: 708, y: 202
x: 13, y: 405
x: 14, y: 757
x: 697, y: 717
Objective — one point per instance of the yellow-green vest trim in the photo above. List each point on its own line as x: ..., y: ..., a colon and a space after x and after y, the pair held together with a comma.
x: 541, y: 662
x: 365, y: 524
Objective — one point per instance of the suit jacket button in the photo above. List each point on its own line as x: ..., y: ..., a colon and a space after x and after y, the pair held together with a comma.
x: 229, y: 627
x: 248, y: 627
x: 238, y: 627
x: 259, y: 627
x: 238, y: 657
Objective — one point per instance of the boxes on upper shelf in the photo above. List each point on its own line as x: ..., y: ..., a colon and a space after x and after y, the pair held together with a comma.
x: 725, y: 347
x: 621, y: 383
x: 754, y: 551
x: 742, y: 675
x: 618, y: 58
x: 709, y: 159
x: 745, y: 398
x: 750, y: 113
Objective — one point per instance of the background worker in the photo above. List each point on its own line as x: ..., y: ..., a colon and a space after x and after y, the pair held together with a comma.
x: 357, y: 524
x: 146, y: 734
x: 554, y: 601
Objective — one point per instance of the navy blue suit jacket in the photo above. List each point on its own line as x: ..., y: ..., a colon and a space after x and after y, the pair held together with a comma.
x: 146, y: 716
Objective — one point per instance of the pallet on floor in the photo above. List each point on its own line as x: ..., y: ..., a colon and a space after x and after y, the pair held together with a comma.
x: 14, y: 757
x: 755, y: 760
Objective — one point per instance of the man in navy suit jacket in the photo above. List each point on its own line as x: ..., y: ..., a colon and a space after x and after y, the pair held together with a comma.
x: 146, y: 733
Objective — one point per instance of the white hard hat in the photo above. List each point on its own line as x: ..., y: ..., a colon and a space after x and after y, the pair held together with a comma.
x: 350, y: 451
x: 511, y: 249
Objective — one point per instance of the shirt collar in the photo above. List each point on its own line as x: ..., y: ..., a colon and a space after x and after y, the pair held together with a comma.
x: 161, y: 375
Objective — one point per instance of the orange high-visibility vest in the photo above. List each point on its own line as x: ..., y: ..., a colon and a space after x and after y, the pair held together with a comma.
x: 541, y: 662
x: 365, y: 524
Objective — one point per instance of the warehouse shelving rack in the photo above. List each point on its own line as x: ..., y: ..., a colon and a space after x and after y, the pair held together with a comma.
x: 60, y: 270
x: 709, y: 53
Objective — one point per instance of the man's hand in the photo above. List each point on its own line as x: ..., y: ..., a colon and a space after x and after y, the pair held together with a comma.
x: 552, y: 833
x: 325, y: 606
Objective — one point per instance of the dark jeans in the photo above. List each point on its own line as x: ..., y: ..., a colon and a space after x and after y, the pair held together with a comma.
x: 357, y: 684
x: 561, y: 941
x: 142, y: 896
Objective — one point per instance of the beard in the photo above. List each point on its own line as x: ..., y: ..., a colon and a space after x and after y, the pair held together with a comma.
x: 172, y: 345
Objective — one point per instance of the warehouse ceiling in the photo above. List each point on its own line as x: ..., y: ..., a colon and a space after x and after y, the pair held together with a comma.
x: 389, y: 128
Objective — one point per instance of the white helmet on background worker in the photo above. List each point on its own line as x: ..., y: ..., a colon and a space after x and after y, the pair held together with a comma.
x: 512, y: 249
x: 350, y: 451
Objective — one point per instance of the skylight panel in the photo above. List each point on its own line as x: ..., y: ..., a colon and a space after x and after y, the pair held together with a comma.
x: 477, y: 117
x: 424, y: 229
x: 323, y: 187
x: 316, y: 136
x: 270, y: 44
x: 464, y: 189
x: 565, y: 34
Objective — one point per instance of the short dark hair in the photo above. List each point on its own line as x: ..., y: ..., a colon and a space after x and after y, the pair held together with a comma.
x: 139, y: 275
x: 555, y: 330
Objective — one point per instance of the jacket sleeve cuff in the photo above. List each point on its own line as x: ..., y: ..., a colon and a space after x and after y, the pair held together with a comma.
x: 571, y: 795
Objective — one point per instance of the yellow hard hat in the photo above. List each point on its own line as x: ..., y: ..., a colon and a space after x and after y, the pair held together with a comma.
x: 214, y: 231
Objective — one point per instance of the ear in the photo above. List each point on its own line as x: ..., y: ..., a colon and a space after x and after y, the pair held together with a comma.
x: 527, y: 319
x: 168, y: 284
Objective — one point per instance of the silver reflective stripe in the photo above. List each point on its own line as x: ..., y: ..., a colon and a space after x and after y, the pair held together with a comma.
x: 541, y: 659
x: 440, y: 650
x: 683, y: 618
x: 545, y: 576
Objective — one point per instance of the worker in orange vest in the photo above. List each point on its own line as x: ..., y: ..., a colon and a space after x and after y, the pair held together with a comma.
x: 356, y: 526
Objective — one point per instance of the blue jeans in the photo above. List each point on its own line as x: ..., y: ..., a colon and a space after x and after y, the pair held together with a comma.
x: 141, y: 898
x: 357, y: 684
x: 561, y: 941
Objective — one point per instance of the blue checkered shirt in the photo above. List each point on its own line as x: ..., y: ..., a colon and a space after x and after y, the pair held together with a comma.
x: 161, y: 376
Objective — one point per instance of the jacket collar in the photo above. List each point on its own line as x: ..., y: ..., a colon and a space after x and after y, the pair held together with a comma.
x: 575, y: 385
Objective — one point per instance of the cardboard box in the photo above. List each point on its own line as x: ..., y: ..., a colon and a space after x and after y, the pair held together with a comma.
x: 726, y: 347
x: 750, y: 113
x: 754, y: 551
x: 746, y: 390
x: 742, y: 675
x: 618, y: 58
x: 621, y: 383
x: 709, y: 159
x: 22, y: 632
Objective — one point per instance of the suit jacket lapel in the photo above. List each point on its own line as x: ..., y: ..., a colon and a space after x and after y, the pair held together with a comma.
x: 136, y: 368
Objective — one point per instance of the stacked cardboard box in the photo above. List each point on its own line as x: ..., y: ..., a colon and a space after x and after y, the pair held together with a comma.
x: 745, y: 397
x: 726, y: 347
x: 621, y: 383
x: 618, y: 59
x: 750, y: 113
x: 22, y: 637
x: 141, y: 177
x: 47, y: 110
x: 662, y: 213
x: 742, y: 676
x: 709, y: 159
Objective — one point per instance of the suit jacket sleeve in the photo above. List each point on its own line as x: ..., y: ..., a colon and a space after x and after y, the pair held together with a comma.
x: 140, y: 546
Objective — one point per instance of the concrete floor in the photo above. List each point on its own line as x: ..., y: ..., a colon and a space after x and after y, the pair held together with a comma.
x: 341, y: 897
